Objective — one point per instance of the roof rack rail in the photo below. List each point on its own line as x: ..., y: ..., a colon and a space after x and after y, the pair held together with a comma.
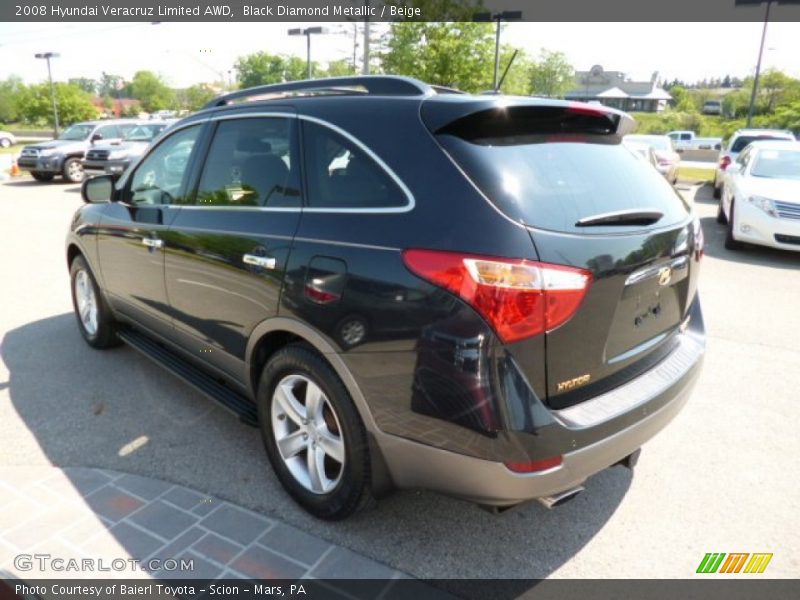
x: 382, y: 85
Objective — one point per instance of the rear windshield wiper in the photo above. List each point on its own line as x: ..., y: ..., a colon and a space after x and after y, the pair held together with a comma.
x: 635, y: 216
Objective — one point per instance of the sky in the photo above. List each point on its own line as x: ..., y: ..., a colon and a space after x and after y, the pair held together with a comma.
x: 188, y: 53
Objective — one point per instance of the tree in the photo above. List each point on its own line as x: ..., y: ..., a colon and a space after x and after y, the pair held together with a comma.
x: 196, y: 96
x: 11, y: 91
x: 457, y: 54
x: 149, y: 89
x: 109, y: 85
x: 775, y: 85
x: 339, y: 68
x: 263, y: 68
x: 682, y: 99
x: 551, y: 75
x: 74, y: 104
x: 87, y: 84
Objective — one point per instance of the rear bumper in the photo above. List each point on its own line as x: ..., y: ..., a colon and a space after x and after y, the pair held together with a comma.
x: 654, y: 398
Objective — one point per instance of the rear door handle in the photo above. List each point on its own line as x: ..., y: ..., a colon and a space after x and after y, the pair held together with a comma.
x: 265, y: 262
x: 153, y: 242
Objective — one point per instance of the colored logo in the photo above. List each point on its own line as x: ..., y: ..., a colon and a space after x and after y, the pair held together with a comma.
x: 736, y: 562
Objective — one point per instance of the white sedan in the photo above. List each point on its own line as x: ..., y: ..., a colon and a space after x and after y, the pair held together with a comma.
x: 761, y: 197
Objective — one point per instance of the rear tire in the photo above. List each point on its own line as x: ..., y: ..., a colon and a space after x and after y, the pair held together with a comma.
x: 95, y: 321
x: 73, y: 170
x: 43, y: 177
x: 323, y: 460
x: 731, y: 243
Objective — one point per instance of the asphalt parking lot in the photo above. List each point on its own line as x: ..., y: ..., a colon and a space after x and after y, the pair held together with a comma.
x: 721, y: 478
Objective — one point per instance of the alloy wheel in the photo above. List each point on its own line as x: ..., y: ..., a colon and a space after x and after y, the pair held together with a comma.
x: 86, y: 301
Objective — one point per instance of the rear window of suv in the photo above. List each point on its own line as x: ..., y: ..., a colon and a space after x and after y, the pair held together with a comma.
x: 552, y: 180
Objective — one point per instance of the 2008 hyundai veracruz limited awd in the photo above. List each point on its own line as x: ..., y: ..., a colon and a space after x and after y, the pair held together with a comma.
x: 404, y: 286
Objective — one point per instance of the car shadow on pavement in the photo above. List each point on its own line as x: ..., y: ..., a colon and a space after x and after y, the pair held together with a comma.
x: 116, y: 410
x: 750, y: 254
x: 705, y: 194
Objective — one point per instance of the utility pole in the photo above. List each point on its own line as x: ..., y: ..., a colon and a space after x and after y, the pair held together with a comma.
x: 754, y: 93
x: 47, y: 56
x: 498, y: 18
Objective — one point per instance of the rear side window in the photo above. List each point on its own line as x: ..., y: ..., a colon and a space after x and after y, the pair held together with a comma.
x: 252, y: 162
x: 551, y: 181
x: 339, y: 174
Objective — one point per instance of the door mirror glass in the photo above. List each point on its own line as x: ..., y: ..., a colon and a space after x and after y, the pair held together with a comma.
x: 99, y: 189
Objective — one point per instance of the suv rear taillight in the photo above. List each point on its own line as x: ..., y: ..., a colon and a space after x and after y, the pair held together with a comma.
x: 724, y: 162
x: 519, y: 298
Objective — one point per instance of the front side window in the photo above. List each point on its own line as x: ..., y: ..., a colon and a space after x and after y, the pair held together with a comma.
x: 160, y: 177
x: 252, y: 162
x: 109, y: 132
x: 339, y: 174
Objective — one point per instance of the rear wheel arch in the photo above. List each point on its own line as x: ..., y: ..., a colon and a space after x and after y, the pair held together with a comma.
x: 275, y: 333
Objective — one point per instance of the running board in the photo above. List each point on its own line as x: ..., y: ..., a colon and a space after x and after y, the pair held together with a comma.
x: 239, y: 405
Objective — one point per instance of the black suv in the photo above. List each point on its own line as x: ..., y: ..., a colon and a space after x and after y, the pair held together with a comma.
x: 404, y: 286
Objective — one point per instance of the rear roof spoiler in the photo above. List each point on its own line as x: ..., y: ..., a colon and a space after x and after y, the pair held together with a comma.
x: 444, y: 112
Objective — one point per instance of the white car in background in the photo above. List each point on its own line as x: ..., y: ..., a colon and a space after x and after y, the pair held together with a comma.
x: 761, y: 196
x: 739, y: 142
x: 644, y: 152
x: 667, y: 159
x: 7, y: 139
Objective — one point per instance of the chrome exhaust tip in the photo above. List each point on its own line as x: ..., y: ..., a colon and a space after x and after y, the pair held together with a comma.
x: 551, y: 502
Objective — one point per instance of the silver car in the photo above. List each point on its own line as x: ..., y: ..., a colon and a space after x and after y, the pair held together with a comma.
x: 668, y: 160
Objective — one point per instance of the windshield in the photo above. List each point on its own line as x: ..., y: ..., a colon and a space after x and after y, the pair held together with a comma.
x: 741, y: 142
x: 77, y: 132
x: 780, y: 164
x: 144, y: 132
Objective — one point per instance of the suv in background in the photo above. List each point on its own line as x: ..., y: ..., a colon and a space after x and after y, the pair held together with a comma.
x: 63, y: 155
x: 113, y: 158
x: 404, y: 286
x: 739, y: 142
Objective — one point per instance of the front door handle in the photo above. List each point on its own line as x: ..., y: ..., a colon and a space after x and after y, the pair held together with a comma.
x: 265, y: 262
x: 153, y: 242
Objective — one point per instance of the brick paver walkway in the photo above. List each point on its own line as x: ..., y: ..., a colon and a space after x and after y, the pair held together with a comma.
x: 79, y: 513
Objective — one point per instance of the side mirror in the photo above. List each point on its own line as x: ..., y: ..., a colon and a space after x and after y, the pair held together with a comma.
x: 97, y: 190
x: 96, y: 136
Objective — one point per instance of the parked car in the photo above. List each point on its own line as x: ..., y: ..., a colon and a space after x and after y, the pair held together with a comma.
x: 404, y: 286
x: 712, y: 107
x: 761, y: 197
x: 687, y: 140
x: 667, y: 159
x: 739, y: 142
x: 643, y: 151
x: 63, y: 156
x: 114, y: 157
x: 7, y: 139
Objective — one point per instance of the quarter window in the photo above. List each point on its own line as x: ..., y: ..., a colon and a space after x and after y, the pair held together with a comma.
x: 252, y: 162
x: 341, y: 175
x: 160, y: 178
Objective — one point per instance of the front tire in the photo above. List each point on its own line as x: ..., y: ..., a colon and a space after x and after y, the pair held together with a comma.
x: 731, y: 243
x: 95, y: 321
x: 73, y: 170
x: 43, y: 177
x: 5, y: 143
x: 313, y: 434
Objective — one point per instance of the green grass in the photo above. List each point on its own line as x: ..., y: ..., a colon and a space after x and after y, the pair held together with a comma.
x: 696, y: 174
x: 15, y: 149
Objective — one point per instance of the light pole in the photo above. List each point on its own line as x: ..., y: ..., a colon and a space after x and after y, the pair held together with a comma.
x: 754, y: 93
x: 47, y: 56
x: 308, y: 32
x: 498, y: 17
